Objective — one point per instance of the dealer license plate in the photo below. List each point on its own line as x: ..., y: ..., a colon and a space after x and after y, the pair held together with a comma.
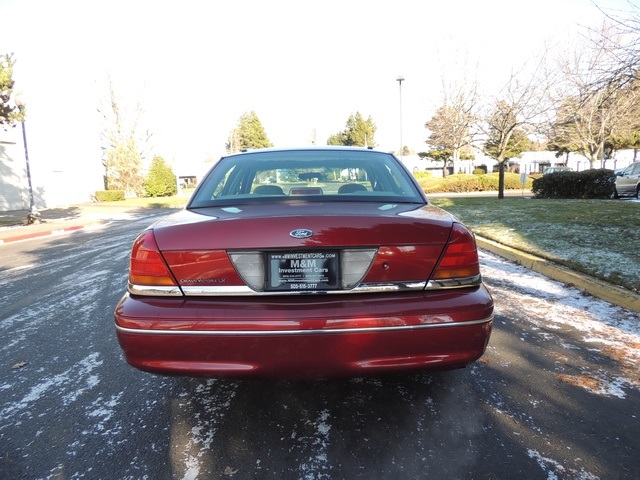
x: 304, y: 271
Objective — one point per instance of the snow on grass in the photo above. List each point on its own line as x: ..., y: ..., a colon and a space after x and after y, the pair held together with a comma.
x: 598, y: 237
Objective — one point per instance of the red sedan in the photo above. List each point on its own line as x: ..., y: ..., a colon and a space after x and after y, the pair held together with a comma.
x: 305, y: 263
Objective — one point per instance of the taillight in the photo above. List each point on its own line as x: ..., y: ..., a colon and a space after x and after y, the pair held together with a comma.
x: 146, y: 266
x: 460, y: 258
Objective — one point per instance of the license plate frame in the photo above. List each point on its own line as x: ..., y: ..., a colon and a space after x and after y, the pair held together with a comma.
x: 303, y: 271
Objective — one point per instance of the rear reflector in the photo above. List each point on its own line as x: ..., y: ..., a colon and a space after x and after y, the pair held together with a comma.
x: 460, y: 258
x: 250, y: 266
x: 146, y: 265
x: 354, y: 265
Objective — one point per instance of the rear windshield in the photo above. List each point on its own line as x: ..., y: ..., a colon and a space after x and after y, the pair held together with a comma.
x: 322, y: 175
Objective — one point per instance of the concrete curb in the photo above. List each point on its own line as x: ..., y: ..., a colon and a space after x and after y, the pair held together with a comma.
x: 598, y: 288
x: 42, y: 233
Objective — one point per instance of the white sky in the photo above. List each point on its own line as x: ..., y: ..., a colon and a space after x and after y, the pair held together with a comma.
x: 197, y: 66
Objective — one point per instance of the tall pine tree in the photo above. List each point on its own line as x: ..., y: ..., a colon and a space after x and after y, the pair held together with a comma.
x: 249, y: 133
x: 357, y: 133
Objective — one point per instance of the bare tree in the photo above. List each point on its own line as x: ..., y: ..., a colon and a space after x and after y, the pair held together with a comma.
x: 451, y: 126
x: 122, y: 156
x: 623, y: 56
x: 522, y: 104
x: 594, y: 114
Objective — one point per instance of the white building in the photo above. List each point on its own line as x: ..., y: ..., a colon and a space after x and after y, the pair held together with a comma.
x: 528, y: 162
x: 61, y: 173
x: 534, y: 162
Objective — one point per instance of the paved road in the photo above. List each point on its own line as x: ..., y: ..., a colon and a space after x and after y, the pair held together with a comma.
x: 556, y: 396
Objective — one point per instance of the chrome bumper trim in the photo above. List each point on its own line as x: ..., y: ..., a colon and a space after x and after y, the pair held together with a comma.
x: 153, y: 291
x: 223, y: 333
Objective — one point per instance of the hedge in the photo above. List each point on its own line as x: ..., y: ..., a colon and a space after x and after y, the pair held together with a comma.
x: 595, y: 183
x: 109, y: 195
x: 470, y: 183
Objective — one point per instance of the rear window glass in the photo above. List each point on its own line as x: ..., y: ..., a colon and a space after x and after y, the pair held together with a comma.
x: 321, y: 175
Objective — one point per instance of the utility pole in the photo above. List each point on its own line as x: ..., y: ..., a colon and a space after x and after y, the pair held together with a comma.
x: 400, y: 79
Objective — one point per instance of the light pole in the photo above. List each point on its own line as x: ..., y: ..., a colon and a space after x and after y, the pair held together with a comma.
x: 400, y: 79
x: 34, y: 214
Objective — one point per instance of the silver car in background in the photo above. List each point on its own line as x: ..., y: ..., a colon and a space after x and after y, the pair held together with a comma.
x: 628, y: 181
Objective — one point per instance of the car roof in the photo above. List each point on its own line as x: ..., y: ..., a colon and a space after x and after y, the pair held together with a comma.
x: 307, y: 149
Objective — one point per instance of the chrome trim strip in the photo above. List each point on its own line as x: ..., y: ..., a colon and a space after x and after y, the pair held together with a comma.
x: 169, y: 291
x: 388, y: 287
x: 241, y: 290
x: 219, y: 291
x: 302, y: 332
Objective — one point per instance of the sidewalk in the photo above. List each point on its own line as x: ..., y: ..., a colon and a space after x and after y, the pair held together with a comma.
x: 57, y: 221
x: 63, y: 220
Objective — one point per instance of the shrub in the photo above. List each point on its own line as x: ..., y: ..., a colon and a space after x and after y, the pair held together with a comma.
x: 109, y: 195
x: 595, y: 183
x: 479, y: 171
x: 471, y: 183
x: 599, y: 183
x: 420, y: 175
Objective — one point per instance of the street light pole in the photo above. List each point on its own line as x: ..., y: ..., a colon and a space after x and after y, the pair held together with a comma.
x: 400, y: 79
x: 34, y: 214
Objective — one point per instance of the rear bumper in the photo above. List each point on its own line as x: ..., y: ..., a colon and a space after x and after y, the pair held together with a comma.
x: 305, y: 336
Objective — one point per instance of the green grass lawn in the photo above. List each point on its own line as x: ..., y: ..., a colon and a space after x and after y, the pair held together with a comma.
x: 597, y: 237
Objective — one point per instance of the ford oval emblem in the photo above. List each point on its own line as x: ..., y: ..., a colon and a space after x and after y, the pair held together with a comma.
x: 301, y: 233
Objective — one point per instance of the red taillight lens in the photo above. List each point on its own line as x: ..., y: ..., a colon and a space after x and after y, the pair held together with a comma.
x: 460, y: 257
x: 146, y: 266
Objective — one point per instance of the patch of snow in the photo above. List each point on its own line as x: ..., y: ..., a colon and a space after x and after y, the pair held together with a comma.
x: 556, y: 471
x: 317, y: 466
x: 609, y: 329
x: 104, y: 410
x: 213, y: 399
x: 77, y: 379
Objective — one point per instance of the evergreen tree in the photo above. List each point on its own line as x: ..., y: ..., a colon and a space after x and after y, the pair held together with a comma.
x: 249, y: 133
x: 9, y: 114
x: 161, y: 181
x: 357, y: 133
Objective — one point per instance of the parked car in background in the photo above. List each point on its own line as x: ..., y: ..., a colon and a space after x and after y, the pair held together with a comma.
x: 305, y: 263
x: 557, y: 169
x: 628, y: 181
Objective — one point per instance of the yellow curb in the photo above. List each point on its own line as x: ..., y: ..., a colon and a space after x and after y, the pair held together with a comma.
x: 598, y: 288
